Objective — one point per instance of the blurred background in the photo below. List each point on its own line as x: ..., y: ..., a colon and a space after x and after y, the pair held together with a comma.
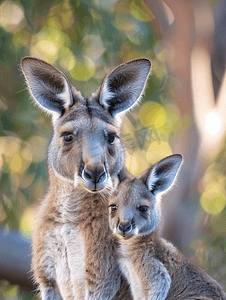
x: 183, y: 111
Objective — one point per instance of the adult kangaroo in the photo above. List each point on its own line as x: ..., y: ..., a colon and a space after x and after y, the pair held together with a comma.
x: 74, y: 253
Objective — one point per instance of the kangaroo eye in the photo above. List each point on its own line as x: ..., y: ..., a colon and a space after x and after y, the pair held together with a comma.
x: 68, y: 137
x: 111, y: 138
x: 113, y: 207
x: 143, y: 208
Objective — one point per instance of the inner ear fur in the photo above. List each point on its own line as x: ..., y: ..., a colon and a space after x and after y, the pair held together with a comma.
x: 123, y: 87
x: 160, y: 177
x: 48, y: 86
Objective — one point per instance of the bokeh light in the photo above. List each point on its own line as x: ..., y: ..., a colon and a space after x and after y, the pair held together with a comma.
x: 47, y: 43
x: 83, y: 70
x: 11, y: 15
x: 157, y: 151
x: 152, y: 114
x: 67, y: 58
x: 136, y: 163
x: 213, y: 200
x: 27, y: 222
x: 86, y: 40
x: 213, y: 123
x: 93, y: 46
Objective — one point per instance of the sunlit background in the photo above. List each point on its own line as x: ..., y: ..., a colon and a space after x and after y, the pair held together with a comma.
x: 86, y: 39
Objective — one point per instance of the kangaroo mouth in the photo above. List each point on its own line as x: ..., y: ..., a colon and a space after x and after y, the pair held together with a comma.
x: 93, y: 187
x: 94, y: 190
x: 124, y: 236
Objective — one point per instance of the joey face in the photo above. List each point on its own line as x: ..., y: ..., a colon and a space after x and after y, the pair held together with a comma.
x: 133, y: 212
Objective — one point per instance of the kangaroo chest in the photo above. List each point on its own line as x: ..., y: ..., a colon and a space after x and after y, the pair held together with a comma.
x: 91, y: 248
x: 80, y: 243
x: 99, y: 247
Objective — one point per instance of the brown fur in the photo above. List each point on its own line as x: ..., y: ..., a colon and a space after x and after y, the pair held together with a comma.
x: 189, y: 280
x: 90, y: 213
x: 155, y: 269
x: 73, y: 251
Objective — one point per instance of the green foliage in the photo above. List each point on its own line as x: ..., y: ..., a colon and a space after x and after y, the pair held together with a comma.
x: 85, y: 39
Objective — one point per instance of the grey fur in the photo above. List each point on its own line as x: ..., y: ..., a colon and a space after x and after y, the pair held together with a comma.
x: 51, y: 293
x: 73, y: 249
x: 154, y: 268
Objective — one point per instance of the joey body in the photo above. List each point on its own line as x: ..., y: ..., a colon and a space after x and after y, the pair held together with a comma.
x: 154, y: 268
x: 74, y: 254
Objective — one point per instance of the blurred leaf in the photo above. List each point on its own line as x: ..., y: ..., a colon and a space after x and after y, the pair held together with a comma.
x: 141, y: 12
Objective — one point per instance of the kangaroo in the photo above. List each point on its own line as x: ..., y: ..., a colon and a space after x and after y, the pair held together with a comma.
x: 154, y: 268
x: 74, y: 253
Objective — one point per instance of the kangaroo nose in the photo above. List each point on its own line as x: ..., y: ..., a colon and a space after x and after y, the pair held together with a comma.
x: 94, y: 176
x: 125, y: 227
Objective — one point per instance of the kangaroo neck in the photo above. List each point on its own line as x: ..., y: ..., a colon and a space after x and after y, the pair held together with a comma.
x: 75, y: 204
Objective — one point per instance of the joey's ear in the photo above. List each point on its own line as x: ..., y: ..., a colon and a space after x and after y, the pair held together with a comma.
x: 48, y: 86
x: 123, y: 87
x: 161, y: 177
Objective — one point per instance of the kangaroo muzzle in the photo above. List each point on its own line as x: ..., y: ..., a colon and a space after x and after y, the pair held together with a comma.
x: 95, y: 176
x: 124, y: 228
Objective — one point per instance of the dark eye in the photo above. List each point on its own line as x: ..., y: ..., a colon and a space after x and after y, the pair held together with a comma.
x: 143, y: 208
x: 111, y: 137
x: 113, y: 207
x: 68, y: 137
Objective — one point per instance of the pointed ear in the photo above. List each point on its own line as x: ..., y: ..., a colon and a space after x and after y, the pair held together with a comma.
x: 161, y: 177
x: 123, y: 87
x: 47, y: 85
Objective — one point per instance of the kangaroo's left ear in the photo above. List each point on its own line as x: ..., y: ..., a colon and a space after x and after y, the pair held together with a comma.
x: 161, y: 177
x: 123, y: 87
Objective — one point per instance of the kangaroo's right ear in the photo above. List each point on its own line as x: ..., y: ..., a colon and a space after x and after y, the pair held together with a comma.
x: 161, y: 177
x: 123, y: 87
x: 47, y: 85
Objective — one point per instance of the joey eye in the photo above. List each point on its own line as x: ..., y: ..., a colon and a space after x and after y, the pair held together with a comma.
x: 68, y: 137
x: 113, y: 207
x: 143, y: 208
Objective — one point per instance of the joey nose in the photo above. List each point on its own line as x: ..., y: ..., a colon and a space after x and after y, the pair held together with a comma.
x: 125, y: 227
x: 94, y: 176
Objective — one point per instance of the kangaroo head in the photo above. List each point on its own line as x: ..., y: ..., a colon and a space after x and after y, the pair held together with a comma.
x: 135, y: 210
x: 86, y: 148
